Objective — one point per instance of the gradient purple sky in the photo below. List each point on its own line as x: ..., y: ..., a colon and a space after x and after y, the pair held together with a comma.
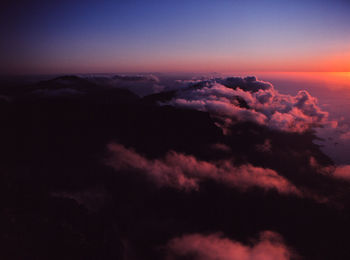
x: 174, y: 36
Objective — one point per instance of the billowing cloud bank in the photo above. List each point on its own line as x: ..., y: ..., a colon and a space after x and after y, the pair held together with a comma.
x: 249, y: 99
x: 270, y: 246
x: 186, y: 172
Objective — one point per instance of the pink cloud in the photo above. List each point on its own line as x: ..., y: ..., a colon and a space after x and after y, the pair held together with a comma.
x: 185, y: 172
x: 336, y: 171
x: 342, y: 172
x: 262, y: 104
x: 345, y: 136
x: 270, y: 246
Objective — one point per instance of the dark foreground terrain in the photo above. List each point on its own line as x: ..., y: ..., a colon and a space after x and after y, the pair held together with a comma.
x: 94, y: 171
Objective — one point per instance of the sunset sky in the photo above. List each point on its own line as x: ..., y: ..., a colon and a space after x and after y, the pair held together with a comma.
x: 50, y: 37
x: 175, y: 129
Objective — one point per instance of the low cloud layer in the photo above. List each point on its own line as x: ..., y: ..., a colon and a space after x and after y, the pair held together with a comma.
x: 141, y: 85
x: 270, y: 246
x: 249, y: 99
x: 185, y: 172
x: 336, y: 171
x: 342, y: 172
x: 345, y: 136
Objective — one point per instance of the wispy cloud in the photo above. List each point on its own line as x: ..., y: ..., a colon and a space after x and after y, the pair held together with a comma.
x: 270, y: 246
x: 185, y: 172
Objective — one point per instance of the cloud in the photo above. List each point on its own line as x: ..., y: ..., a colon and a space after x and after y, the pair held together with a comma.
x: 185, y: 172
x: 336, y: 171
x: 342, y: 172
x: 141, y: 85
x: 249, y: 99
x: 345, y: 136
x: 270, y: 246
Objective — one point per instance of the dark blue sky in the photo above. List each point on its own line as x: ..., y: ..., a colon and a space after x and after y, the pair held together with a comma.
x: 131, y: 36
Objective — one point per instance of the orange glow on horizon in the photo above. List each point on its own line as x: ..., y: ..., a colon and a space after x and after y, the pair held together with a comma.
x: 203, y: 63
x: 332, y: 80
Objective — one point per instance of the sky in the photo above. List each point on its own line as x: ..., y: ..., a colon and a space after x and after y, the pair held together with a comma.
x: 51, y: 37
